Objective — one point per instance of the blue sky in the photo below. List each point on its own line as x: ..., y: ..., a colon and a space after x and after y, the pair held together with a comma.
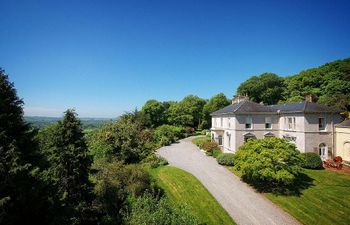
x: 106, y: 57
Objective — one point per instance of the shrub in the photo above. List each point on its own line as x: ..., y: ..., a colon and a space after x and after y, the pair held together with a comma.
x: 199, y: 141
x: 155, y: 161
x: 311, y: 160
x: 226, y: 159
x: 149, y: 210
x: 167, y: 134
x: 216, y: 153
x: 204, y: 132
x: 209, y: 146
x: 269, y: 162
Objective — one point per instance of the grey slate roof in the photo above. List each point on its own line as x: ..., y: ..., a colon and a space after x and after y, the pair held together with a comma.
x: 345, y: 123
x: 305, y: 107
x: 244, y: 107
x: 297, y: 107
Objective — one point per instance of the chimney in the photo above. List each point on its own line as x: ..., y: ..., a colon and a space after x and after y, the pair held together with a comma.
x: 309, y: 98
x: 240, y: 98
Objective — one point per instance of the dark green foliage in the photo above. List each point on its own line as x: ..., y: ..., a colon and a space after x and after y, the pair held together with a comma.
x: 68, y: 169
x: 114, y: 184
x: 311, y: 160
x: 226, y: 159
x: 168, y: 134
x: 156, y: 111
x: 127, y: 139
x: 23, y: 197
x: 187, y: 112
x: 155, y: 161
x: 266, y: 88
x: 217, y: 102
x: 268, y: 162
x: 150, y: 210
x: 328, y: 84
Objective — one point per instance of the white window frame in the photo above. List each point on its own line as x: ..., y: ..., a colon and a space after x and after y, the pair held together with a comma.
x: 248, y: 120
x: 268, y: 120
x: 324, y: 124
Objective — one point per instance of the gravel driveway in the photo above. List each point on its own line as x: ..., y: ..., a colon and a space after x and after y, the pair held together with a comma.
x: 243, y: 204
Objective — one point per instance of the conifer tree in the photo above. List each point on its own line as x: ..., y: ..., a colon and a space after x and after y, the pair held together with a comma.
x: 69, y: 165
x: 22, y: 196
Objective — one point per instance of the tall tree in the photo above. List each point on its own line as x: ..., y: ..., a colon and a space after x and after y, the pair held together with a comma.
x: 187, y: 112
x: 69, y: 166
x: 266, y: 88
x: 155, y: 111
x: 22, y: 196
x: 215, y: 103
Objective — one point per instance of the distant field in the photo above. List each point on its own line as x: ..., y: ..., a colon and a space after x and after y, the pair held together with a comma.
x: 88, y: 123
x: 183, y: 188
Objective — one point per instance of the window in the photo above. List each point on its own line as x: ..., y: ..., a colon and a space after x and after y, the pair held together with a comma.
x: 220, y: 139
x: 229, y: 123
x: 248, y: 122
x: 321, y: 123
x: 291, y: 123
x: 268, y: 123
x: 229, y: 140
x: 221, y: 123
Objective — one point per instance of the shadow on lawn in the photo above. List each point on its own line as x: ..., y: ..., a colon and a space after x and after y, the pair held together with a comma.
x: 302, y: 182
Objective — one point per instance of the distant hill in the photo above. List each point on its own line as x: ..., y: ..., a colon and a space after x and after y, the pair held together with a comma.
x: 88, y: 123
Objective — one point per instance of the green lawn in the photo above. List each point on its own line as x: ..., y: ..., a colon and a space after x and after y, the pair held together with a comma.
x: 326, y: 201
x: 183, y: 188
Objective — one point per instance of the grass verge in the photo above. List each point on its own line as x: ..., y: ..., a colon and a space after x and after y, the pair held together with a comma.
x: 183, y: 188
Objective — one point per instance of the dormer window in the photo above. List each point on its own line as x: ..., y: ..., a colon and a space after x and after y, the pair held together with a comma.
x: 248, y: 123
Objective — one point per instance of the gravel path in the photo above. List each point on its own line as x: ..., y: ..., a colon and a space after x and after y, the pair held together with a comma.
x: 243, y: 204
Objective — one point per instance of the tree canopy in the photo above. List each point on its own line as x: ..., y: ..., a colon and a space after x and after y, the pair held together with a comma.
x: 328, y: 84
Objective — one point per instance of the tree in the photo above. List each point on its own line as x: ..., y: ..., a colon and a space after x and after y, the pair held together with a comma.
x: 266, y: 88
x: 187, y: 112
x: 268, y: 162
x: 126, y: 140
x: 114, y: 182
x: 23, y: 196
x: 68, y: 169
x: 216, y: 102
x: 156, y: 112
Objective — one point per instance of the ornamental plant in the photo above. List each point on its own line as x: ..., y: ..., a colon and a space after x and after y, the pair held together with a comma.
x: 268, y: 162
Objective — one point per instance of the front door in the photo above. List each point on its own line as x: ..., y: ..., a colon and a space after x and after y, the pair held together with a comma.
x: 323, y: 152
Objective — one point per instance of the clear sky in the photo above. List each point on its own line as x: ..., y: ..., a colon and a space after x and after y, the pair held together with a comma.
x: 106, y: 57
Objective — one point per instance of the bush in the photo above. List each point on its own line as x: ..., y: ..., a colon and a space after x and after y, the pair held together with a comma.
x: 155, y: 161
x: 226, y: 159
x: 311, y: 160
x: 199, y: 141
x: 150, y: 210
x: 215, y: 153
x: 168, y: 134
x: 269, y: 162
x: 205, y: 131
x: 209, y: 146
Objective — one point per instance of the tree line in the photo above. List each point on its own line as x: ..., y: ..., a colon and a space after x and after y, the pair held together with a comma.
x: 61, y: 175
x: 328, y: 84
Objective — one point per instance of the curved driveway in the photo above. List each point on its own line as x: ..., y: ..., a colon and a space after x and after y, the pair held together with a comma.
x: 243, y: 204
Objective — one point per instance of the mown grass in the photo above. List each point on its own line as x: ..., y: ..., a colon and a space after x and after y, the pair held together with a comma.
x: 325, y: 201
x: 183, y: 188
